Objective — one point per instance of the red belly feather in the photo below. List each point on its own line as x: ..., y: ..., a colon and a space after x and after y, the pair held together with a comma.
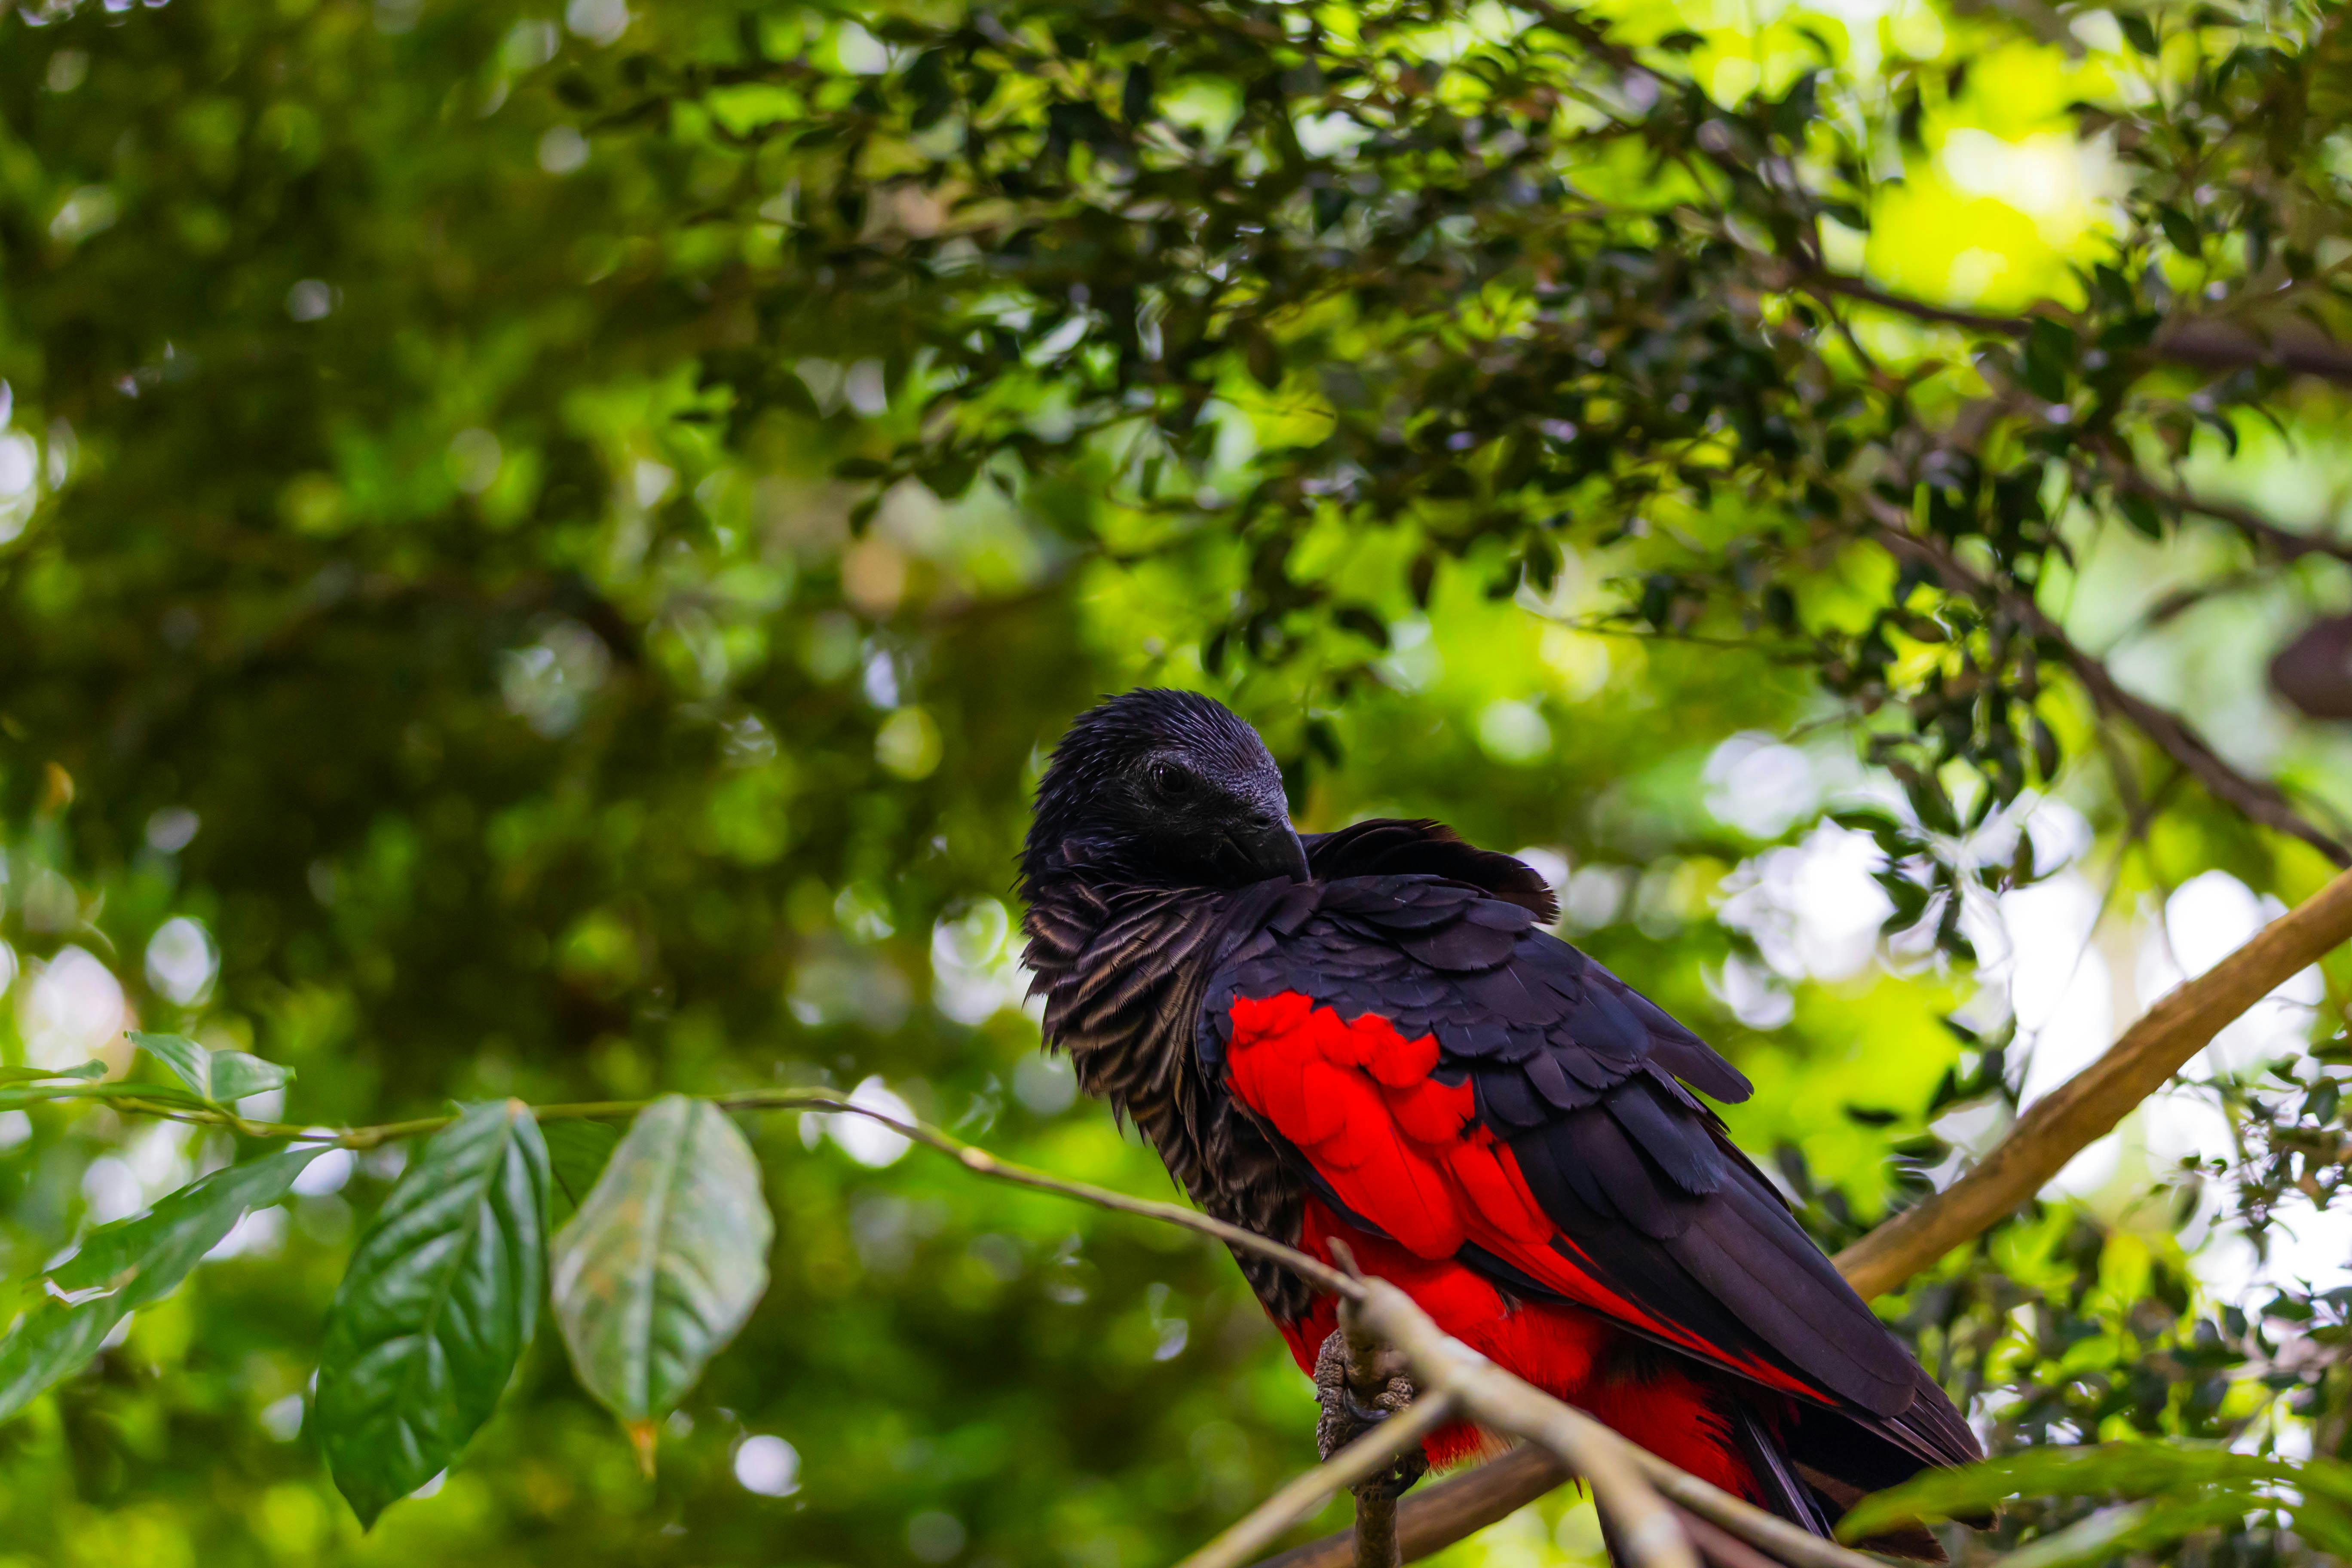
x: 1408, y: 1153
x: 1575, y: 1355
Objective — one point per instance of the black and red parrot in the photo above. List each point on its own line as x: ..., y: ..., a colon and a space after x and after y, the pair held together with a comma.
x: 1369, y: 1036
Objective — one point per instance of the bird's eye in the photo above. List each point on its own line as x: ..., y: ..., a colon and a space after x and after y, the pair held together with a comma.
x: 1172, y: 780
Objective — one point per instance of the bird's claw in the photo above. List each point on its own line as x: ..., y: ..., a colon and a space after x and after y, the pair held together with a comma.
x: 1345, y: 1418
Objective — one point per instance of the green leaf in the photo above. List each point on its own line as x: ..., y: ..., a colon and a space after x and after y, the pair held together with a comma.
x: 48, y: 1344
x: 2129, y: 1469
x: 216, y: 1077
x: 84, y: 1072
x: 2180, y: 231
x: 187, y: 1061
x: 1263, y: 358
x: 2102, y: 1535
x: 130, y: 1264
x: 663, y: 1261
x: 576, y: 1153
x: 236, y: 1074
x: 2141, y: 513
x: 2050, y: 354
x: 2113, y: 1534
x: 440, y: 1299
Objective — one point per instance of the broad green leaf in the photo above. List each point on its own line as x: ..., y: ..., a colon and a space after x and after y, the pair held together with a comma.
x: 83, y: 1072
x: 218, y: 1078
x: 2101, y: 1536
x: 439, y: 1301
x: 2325, y: 1525
x: 188, y: 1061
x: 2123, y: 1470
x: 131, y: 1264
x: 576, y: 1152
x: 50, y: 1343
x: 2113, y: 1534
x: 663, y: 1261
x: 236, y: 1074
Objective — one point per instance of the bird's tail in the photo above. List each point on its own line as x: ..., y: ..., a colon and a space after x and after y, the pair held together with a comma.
x: 1782, y: 1489
x: 1777, y: 1485
x: 1805, y: 1496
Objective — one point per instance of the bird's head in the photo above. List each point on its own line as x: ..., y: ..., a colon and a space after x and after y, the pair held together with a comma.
x: 1163, y: 788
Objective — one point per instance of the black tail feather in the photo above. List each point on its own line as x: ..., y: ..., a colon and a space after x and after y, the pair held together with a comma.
x: 1783, y: 1490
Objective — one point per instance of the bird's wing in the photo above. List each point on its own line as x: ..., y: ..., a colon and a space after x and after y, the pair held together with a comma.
x: 1475, y: 1088
x: 1395, y: 846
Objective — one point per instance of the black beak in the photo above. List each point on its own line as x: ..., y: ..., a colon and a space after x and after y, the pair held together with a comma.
x: 1272, y: 850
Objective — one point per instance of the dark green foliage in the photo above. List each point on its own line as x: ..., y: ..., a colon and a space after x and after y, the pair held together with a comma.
x: 550, y: 547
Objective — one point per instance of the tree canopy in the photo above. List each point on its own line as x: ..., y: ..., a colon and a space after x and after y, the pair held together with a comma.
x: 540, y: 552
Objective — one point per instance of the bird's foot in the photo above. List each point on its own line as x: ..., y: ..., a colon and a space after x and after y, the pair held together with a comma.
x: 1347, y: 1417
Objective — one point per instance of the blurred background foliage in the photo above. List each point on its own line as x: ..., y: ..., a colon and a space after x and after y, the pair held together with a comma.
x: 541, y: 551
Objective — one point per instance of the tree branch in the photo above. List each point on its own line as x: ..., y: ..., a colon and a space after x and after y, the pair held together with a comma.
x: 2286, y: 543
x: 2057, y: 1127
x: 1623, y: 1479
x: 1361, y: 1460
x: 2208, y: 343
x: 1643, y: 1529
x: 2260, y: 801
x: 2200, y: 343
x: 1433, y: 1516
x: 1376, y: 1532
x: 1830, y: 285
x: 1629, y: 1484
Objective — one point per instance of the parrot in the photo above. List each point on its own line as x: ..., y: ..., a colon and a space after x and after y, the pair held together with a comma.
x: 1368, y: 1043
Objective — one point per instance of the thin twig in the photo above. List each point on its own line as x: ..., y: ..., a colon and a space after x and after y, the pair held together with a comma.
x: 1622, y: 1483
x: 971, y: 1156
x: 1361, y: 1460
x: 2208, y: 343
x: 1441, y: 1365
x: 2285, y: 544
x: 2200, y: 343
x: 1433, y: 1517
x: 1644, y: 1528
x: 1832, y: 284
x: 1720, y: 1547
